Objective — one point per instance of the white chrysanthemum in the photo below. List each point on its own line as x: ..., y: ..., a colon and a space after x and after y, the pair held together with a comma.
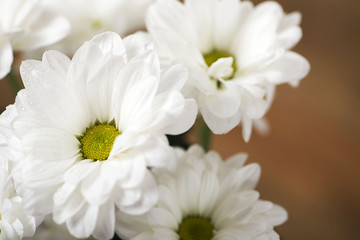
x: 206, y: 198
x: 26, y: 25
x: 14, y: 222
x: 90, y: 17
x: 87, y: 129
x: 236, y: 53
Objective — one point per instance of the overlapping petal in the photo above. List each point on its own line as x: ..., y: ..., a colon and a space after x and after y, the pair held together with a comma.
x: 27, y: 25
x: 256, y: 38
x: 203, y: 186
x: 62, y: 99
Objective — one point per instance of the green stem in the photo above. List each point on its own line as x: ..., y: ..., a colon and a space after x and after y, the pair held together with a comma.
x: 205, y: 137
x: 13, y: 81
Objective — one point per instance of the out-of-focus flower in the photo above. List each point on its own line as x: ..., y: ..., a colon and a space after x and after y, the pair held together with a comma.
x: 27, y: 25
x: 85, y: 131
x: 90, y: 17
x: 237, y: 54
x: 206, y: 198
x: 14, y: 222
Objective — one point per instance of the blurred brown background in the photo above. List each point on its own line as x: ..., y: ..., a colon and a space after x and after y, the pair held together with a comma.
x: 311, y: 159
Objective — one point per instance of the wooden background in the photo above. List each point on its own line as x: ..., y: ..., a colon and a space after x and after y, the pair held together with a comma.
x: 311, y: 159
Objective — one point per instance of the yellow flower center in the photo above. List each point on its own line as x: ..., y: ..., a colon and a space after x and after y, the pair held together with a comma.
x: 213, y: 56
x: 196, y: 228
x: 98, y: 141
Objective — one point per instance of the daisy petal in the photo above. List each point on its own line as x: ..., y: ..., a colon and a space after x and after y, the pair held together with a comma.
x: 290, y: 68
x: 220, y: 125
x: 82, y: 224
x: 46, y: 30
x: 106, y: 222
x: 6, y: 58
x: 109, y: 42
x: 160, y: 218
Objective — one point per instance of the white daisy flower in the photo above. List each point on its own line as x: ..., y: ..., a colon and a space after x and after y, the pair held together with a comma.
x: 236, y: 53
x: 90, y: 17
x: 206, y: 198
x: 15, y: 223
x: 87, y: 129
x: 27, y: 25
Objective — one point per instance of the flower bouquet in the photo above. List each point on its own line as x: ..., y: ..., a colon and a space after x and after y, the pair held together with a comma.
x: 84, y: 150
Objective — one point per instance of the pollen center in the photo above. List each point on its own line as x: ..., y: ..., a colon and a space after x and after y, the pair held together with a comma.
x: 97, y: 141
x: 196, y: 228
x: 213, y: 56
